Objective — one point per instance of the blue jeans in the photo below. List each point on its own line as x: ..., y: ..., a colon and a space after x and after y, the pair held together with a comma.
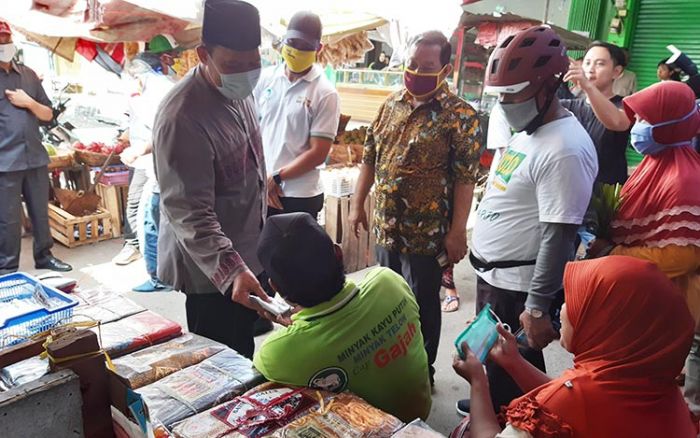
x: 151, y: 224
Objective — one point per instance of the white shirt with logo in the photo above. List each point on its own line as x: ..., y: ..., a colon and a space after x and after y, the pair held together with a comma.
x: 544, y: 177
x: 290, y: 114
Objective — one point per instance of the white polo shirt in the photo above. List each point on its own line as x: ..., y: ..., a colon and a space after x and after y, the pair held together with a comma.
x: 290, y: 114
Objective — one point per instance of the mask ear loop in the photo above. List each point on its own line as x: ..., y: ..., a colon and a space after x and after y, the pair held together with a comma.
x: 671, y: 122
x: 537, y: 121
x: 505, y: 325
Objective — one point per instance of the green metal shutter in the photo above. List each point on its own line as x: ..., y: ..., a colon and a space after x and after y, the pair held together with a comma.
x: 659, y: 23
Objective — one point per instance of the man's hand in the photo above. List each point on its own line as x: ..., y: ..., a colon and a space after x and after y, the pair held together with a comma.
x: 469, y: 368
x: 358, y: 216
x: 244, y: 285
x: 505, y: 351
x: 19, y: 98
x: 456, y: 245
x: 577, y: 76
x: 274, y: 193
x: 539, y: 331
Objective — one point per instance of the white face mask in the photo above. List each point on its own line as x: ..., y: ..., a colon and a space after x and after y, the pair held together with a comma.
x: 238, y: 86
x: 519, y: 115
x: 7, y: 52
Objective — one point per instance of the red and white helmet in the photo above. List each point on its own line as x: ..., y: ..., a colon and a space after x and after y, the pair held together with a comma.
x: 526, y: 59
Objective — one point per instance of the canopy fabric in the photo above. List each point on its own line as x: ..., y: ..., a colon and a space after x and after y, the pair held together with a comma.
x: 495, y: 27
x: 99, y: 21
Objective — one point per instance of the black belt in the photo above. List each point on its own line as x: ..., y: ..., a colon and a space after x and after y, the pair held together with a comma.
x: 482, y: 266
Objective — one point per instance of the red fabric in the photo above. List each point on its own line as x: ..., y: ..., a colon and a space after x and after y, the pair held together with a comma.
x: 663, y: 102
x: 89, y: 50
x: 661, y: 202
x: 631, y: 334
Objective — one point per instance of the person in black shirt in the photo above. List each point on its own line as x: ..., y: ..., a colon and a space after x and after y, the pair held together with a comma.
x: 602, y: 64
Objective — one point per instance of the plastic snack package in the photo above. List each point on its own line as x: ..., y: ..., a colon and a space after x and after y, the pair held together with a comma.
x: 187, y: 392
x: 154, y: 363
x: 257, y: 413
x: 24, y: 371
x: 135, y: 332
x: 344, y: 416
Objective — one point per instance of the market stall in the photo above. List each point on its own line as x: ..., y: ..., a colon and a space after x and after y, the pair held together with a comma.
x: 142, y: 375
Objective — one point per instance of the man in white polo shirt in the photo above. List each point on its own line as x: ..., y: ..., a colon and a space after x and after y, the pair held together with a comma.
x: 299, y: 114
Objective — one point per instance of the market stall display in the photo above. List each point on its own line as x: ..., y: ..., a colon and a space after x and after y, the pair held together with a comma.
x: 136, y: 332
x: 187, y: 392
x: 159, y: 361
x: 346, y: 50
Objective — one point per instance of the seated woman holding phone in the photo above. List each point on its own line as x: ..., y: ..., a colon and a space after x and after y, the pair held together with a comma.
x: 629, y: 329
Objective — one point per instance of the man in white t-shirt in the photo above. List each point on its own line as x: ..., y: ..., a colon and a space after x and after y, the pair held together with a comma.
x: 299, y: 112
x: 526, y: 224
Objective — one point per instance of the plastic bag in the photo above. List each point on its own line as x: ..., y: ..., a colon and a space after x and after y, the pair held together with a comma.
x: 24, y: 371
x: 154, y: 363
x: 187, y: 392
x: 344, y: 416
x: 135, y: 332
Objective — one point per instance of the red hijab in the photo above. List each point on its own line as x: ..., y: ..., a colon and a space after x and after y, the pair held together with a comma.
x: 631, y: 334
x: 661, y: 201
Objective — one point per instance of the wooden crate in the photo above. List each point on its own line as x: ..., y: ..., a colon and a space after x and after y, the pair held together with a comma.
x: 358, y: 253
x: 114, y: 200
x: 64, y: 225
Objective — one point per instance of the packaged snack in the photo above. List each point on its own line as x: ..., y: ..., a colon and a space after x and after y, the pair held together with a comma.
x: 24, y: 371
x: 135, y: 332
x: 344, y: 416
x: 154, y: 363
x: 187, y: 392
x: 417, y: 429
x: 257, y: 413
x: 104, y: 306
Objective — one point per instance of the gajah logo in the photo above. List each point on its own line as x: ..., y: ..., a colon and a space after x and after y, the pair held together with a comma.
x: 331, y: 379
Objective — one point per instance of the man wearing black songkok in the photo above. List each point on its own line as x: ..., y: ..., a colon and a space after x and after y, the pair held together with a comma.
x: 210, y: 167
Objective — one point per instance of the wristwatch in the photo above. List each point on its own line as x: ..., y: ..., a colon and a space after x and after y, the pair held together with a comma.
x: 535, y: 313
x: 277, y: 178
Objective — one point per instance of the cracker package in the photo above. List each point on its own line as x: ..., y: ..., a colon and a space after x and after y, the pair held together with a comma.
x: 154, y: 363
x: 417, y: 429
x: 344, y: 416
x: 135, y: 333
x: 257, y: 413
x: 187, y: 392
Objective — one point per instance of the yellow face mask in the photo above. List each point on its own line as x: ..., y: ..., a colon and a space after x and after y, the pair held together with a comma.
x: 298, y: 60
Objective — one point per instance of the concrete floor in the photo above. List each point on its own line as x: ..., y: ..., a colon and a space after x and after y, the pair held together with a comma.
x: 93, y: 268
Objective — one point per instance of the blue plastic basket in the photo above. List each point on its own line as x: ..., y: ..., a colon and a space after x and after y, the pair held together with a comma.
x: 19, y: 327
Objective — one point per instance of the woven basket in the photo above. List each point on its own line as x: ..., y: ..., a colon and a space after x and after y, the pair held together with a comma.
x: 60, y: 161
x: 94, y: 159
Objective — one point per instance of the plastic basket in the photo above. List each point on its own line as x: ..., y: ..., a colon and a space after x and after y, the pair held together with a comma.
x: 18, y: 327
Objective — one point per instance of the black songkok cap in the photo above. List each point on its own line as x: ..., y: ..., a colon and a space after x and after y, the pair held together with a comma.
x: 300, y: 259
x: 232, y: 24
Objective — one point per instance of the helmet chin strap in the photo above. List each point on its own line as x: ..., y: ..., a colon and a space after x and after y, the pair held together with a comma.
x: 537, y: 121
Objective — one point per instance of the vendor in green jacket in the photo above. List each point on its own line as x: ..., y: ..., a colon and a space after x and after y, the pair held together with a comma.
x: 365, y: 338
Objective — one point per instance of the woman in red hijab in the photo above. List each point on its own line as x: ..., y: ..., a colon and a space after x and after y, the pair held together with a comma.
x: 659, y: 215
x: 629, y: 330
